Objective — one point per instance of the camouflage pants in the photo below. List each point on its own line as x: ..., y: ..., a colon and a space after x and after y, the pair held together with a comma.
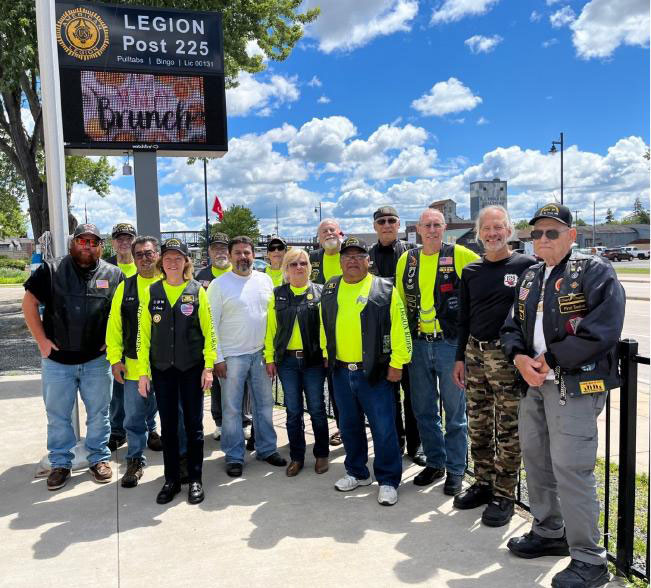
x: 492, y: 399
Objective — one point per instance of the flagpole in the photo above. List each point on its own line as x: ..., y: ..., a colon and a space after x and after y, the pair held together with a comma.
x: 205, y: 195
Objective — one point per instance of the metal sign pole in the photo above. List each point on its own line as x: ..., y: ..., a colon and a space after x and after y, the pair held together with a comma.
x: 145, y: 175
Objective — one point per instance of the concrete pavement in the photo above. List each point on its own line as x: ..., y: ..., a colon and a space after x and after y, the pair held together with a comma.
x: 261, y: 529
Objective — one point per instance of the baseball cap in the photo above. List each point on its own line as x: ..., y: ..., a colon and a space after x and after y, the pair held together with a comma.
x: 219, y: 238
x: 87, y: 229
x: 123, y: 229
x: 385, y: 211
x: 276, y: 239
x: 351, y: 242
x: 556, y: 211
x: 174, y: 244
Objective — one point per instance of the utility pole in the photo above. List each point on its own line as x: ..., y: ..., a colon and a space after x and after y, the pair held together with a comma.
x: 553, y: 150
x: 205, y: 197
x: 318, y: 209
x: 277, y: 233
x: 594, y: 222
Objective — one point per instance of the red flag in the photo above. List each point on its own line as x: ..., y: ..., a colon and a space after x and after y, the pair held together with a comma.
x: 217, y: 208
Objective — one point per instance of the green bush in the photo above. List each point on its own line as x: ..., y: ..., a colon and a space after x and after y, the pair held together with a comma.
x: 10, y: 275
x: 18, y: 264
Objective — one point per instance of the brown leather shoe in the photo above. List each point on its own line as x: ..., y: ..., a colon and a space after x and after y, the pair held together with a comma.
x: 321, y: 465
x: 335, y: 439
x: 57, y: 478
x: 293, y: 468
x: 101, y: 472
x: 154, y: 441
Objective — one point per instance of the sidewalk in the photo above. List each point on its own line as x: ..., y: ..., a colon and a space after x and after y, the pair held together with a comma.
x: 262, y: 529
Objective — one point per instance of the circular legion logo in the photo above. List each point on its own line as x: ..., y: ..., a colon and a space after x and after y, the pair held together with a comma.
x: 82, y: 33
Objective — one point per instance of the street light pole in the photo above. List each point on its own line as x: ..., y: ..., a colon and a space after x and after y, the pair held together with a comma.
x: 553, y: 150
x: 318, y: 208
x: 205, y: 197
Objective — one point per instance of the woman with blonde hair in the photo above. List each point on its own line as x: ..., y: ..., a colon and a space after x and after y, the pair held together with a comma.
x: 177, y: 348
x: 292, y: 351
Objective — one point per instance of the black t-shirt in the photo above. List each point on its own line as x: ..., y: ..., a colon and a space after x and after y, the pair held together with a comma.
x: 40, y: 285
x: 486, y: 296
x: 386, y: 258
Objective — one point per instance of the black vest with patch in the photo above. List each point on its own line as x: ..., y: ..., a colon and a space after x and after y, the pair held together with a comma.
x: 204, y: 276
x: 176, y: 337
x: 129, y: 313
x: 76, y: 320
x: 399, y: 247
x: 446, y: 291
x: 305, y: 308
x: 376, y: 326
x: 316, y: 260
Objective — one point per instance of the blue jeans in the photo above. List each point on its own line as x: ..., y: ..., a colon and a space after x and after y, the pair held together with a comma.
x: 356, y: 398
x: 240, y: 369
x: 136, y: 410
x: 296, y: 380
x: 60, y: 384
x: 117, y: 412
x: 432, y: 361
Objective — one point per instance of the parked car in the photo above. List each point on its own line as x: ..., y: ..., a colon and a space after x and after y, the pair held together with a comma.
x: 617, y: 254
x: 637, y: 253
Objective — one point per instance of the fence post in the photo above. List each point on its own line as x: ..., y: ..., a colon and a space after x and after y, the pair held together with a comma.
x: 627, y: 453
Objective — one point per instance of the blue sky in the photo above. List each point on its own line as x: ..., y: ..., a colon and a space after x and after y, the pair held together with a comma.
x: 407, y: 102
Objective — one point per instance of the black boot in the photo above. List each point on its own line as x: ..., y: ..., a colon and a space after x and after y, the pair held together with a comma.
x: 473, y: 497
x: 580, y: 574
x: 531, y: 546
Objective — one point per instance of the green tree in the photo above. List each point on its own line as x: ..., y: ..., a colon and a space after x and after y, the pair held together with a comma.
x: 639, y: 216
x: 580, y: 222
x: 13, y: 222
x: 238, y: 220
x: 276, y: 26
x: 522, y: 224
x: 83, y: 170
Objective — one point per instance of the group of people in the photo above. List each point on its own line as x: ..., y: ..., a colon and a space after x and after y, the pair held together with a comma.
x: 519, y: 352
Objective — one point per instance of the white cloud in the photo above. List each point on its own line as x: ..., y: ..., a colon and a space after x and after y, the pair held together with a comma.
x: 252, y: 49
x: 482, y: 121
x: 481, y: 44
x: 260, y: 97
x: 446, y: 97
x: 344, y: 25
x: 549, y: 42
x: 323, y: 100
x: 27, y: 120
x: 322, y: 140
x: 453, y: 10
x: 562, y: 17
x: 552, y: 2
x: 535, y: 16
x: 604, y: 25
x: 315, y: 82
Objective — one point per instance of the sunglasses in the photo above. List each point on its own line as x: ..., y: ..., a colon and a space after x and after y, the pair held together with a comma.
x: 551, y: 234
x: 392, y: 220
x: 276, y: 248
x: 295, y: 264
x: 354, y: 257
x: 83, y: 241
x: 143, y: 254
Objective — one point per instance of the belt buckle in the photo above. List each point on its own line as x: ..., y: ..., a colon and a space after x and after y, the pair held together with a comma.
x: 299, y: 354
x: 352, y: 367
x: 481, y: 345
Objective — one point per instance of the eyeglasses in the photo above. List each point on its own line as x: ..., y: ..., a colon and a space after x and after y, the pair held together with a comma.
x: 429, y: 226
x: 295, y: 264
x: 392, y: 220
x: 142, y: 254
x: 83, y: 241
x: 276, y: 248
x: 355, y: 257
x: 551, y: 234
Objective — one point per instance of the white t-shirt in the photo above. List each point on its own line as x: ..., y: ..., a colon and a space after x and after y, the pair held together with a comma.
x: 539, y: 345
x: 239, y: 312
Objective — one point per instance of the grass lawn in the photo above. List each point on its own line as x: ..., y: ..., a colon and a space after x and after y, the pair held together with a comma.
x: 632, y: 270
x: 10, y: 275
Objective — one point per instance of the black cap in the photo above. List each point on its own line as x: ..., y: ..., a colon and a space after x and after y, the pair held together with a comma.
x: 87, y: 229
x: 219, y: 238
x: 123, y: 229
x: 277, y: 239
x: 174, y: 244
x: 556, y: 211
x: 350, y: 242
x: 385, y: 211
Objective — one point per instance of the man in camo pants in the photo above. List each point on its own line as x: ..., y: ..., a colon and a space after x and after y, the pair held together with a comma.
x: 492, y: 392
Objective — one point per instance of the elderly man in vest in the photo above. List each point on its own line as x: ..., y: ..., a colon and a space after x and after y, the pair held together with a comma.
x: 366, y: 340
x: 428, y: 281
x: 76, y: 291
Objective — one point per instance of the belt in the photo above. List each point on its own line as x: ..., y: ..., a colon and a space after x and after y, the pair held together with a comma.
x: 297, y: 353
x: 353, y: 367
x: 431, y: 337
x: 484, y: 345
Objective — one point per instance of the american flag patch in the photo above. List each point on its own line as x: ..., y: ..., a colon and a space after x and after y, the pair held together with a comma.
x: 102, y: 284
x: 524, y: 292
x: 446, y: 261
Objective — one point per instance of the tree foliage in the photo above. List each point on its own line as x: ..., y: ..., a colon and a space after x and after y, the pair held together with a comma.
x: 640, y: 214
x: 13, y: 222
x: 238, y: 220
x: 610, y: 217
x: 522, y: 224
x: 276, y: 26
x: 83, y: 170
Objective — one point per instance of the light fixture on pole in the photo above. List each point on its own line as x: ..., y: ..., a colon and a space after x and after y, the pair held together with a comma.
x: 553, y: 150
x: 127, y: 170
x: 318, y: 209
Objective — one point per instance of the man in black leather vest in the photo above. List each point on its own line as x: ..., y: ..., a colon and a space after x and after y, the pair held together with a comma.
x: 76, y: 291
x: 383, y: 258
x: 562, y: 336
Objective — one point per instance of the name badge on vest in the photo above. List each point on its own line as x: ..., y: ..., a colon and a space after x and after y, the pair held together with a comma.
x: 572, y: 303
x: 592, y: 386
x: 187, y: 298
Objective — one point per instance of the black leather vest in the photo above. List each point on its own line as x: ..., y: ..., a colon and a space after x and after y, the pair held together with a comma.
x: 129, y: 313
x: 176, y: 337
x: 76, y: 320
x: 399, y: 247
x: 446, y: 291
x: 316, y: 259
x: 204, y: 276
x: 376, y: 326
x: 305, y: 308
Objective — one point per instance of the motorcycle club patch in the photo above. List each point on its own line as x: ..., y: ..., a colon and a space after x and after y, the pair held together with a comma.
x: 510, y: 280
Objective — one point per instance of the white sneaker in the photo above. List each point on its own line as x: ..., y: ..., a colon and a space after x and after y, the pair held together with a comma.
x: 217, y: 434
x: 247, y: 432
x: 348, y: 483
x: 387, y: 496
